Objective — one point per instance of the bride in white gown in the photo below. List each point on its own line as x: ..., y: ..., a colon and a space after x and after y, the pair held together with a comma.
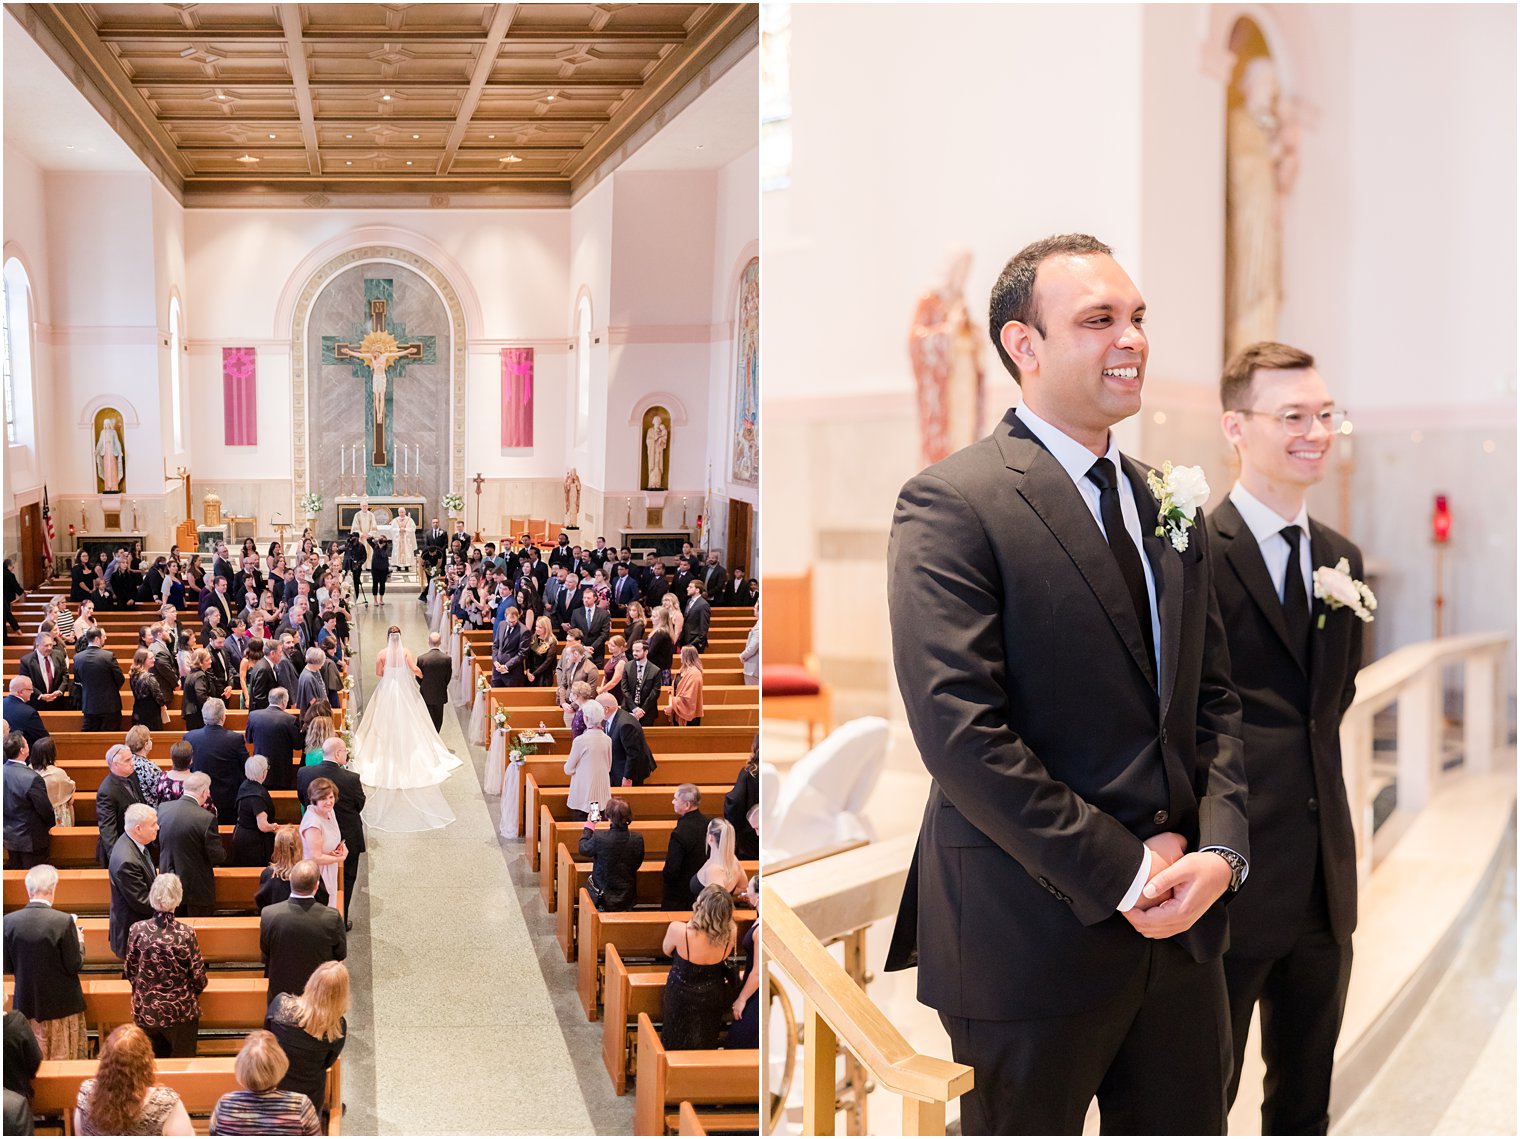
x: 397, y: 752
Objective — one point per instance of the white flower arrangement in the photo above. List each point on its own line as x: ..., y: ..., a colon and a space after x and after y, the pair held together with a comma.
x: 1181, y: 492
x: 311, y: 503
x: 515, y: 756
x: 482, y: 682
x: 1338, y: 589
x: 500, y: 718
x: 453, y: 503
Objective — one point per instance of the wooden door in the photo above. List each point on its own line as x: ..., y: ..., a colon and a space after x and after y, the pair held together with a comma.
x: 741, y: 526
x: 31, y: 570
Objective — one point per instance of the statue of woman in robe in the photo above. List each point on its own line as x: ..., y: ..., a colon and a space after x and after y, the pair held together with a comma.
x: 109, y: 457
x: 946, y: 353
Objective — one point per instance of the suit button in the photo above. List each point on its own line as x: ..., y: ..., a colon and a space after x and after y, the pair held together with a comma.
x: 1043, y: 882
x: 1313, y: 806
x: 1159, y: 818
x: 1312, y: 727
x: 1163, y: 737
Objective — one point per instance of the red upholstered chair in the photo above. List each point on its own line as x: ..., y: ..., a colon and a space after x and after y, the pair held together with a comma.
x: 790, y: 685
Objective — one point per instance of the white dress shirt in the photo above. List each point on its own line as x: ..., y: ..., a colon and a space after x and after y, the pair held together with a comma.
x: 1266, y: 525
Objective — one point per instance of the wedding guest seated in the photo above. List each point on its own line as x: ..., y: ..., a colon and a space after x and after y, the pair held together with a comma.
x: 312, y: 1030
x: 589, y: 764
x: 122, y: 1098
x: 745, y: 1031
x: 44, y: 952
x: 616, y: 855
x: 263, y: 1107
x: 254, y: 829
x: 685, y: 707
x: 722, y: 866
x: 697, y: 996
x: 164, y: 964
x: 274, y: 882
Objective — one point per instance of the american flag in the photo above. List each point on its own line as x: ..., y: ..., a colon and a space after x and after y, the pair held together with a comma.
x: 47, y: 535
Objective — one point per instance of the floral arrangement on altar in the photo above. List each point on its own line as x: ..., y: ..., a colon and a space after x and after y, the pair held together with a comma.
x: 453, y: 503
x: 311, y: 503
x: 379, y: 343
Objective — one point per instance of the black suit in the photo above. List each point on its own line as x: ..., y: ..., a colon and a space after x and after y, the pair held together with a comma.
x: 714, y: 581
x: 295, y: 936
x: 99, y: 679
x: 646, y: 695
x: 631, y: 758
x: 197, y: 692
x: 597, y: 627
x: 189, y: 845
x: 23, y: 1058
x: 287, y: 676
x: 276, y: 735
x: 508, y: 651
x: 261, y: 682
x: 616, y: 856
x: 694, y: 629
x: 346, y: 812
x: 42, y: 951
x: 31, y: 668
x: 28, y: 816
x: 112, y: 798
x: 1032, y: 833
x: 221, y: 754
x: 23, y: 718
x: 1290, y: 929
x: 437, y: 670
x: 685, y: 855
x: 131, y: 873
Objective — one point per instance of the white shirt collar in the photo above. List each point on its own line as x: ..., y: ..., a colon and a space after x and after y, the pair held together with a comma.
x: 1073, y: 456
x: 1261, y: 519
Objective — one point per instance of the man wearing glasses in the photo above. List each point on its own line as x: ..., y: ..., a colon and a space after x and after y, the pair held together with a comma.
x: 1294, y: 663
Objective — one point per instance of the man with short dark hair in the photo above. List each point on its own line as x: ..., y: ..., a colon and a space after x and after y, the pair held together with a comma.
x: 28, y: 811
x: 300, y: 933
x: 698, y: 615
x: 641, y: 686
x: 99, y: 679
x: 1026, y: 580
x: 594, y: 624
x: 1290, y: 933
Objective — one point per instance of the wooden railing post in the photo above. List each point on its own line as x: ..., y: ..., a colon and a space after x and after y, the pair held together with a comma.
x: 1480, y: 686
x: 923, y: 1117
x: 820, y: 1047
x: 1419, y: 728
x: 1356, y: 766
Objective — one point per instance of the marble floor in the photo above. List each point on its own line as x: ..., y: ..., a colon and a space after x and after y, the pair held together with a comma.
x: 464, y: 1018
x: 1453, y: 1072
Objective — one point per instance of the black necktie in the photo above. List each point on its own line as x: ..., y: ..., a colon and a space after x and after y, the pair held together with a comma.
x: 1122, y: 547
x: 1295, y: 599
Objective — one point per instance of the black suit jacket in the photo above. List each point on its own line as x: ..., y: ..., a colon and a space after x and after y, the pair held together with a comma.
x: 350, y: 799
x: 1033, y: 828
x: 631, y: 757
x: 683, y: 858
x: 437, y: 670
x: 509, y: 647
x: 42, y: 951
x: 131, y: 873
x: 1299, y: 813
x: 295, y: 936
x: 694, y: 629
x: 261, y: 681
x: 28, y: 811
x: 196, y: 692
x: 597, y: 627
x: 31, y: 668
x: 438, y: 539
x: 99, y: 679
x: 287, y: 675
x: 276, y: 735
x: 23, y: 718
x: 112, y: 798
x: 616, y: 857
x: 645, y: 696
x: 189, y: 845
x: 221, y: 754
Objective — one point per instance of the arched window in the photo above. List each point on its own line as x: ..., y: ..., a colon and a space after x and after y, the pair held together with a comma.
x: 583, y: 368
x: 17, y: 311
x: 176, y: 400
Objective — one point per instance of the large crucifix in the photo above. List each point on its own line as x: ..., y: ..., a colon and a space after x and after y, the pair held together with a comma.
x: 379, y: 361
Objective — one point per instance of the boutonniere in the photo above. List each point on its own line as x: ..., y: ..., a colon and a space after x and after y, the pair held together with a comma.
x: 1338, y: 589
x: 1180, y: 491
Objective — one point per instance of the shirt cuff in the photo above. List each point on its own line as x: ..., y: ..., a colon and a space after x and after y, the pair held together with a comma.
x: 1245, y: 873
x: 1133, y: 895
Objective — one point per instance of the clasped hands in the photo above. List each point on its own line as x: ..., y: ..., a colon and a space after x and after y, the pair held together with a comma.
x: 1180, y: 889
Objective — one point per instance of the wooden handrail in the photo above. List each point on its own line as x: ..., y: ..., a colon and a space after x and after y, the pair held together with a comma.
x: 862, y: 1028
x: 1378, y: 682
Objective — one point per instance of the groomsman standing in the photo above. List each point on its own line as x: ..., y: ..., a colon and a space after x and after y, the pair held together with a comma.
x: 1290, y: 929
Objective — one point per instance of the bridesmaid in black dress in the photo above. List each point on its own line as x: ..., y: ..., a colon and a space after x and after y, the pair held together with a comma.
x: 698, y: 994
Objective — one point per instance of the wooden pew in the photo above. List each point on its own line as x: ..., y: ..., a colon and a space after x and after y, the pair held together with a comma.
x: 571, y: 875
x: 521, y: 703
x: 630, y: 990
x: 636, y: 933
x: 232, y: 943
x: 665, y: 739
x: 287, y: 808
x: 651, y: 801
x: 718, y: 1078
x: 228, y: 1004
x: 89, y: 891
x: 552, y: 834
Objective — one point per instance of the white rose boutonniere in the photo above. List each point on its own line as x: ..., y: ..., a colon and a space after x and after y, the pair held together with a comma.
x: 1338, y: 589
x: 1181, y: 492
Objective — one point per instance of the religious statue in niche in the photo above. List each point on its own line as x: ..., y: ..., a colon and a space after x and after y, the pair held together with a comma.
x: 945, y: 349
x: 110, y: 453
x: 656, y: 449
x: 1261, y: 161
x: 572, y: 498
x: 746, y: 464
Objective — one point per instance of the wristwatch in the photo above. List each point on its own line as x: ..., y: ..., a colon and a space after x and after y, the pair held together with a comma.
x: 1237, y: 865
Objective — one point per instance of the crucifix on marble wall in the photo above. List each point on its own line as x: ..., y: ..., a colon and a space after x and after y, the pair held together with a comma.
x: 383, y: 353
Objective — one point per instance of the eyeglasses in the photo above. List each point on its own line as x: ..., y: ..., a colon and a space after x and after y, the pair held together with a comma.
x: 1296, y: 422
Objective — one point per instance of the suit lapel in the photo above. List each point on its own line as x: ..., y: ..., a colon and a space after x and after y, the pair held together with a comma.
x: 1166, y: 569
x: 1321, y: 554
x: 1050, y: 493
x: 1245, y: 558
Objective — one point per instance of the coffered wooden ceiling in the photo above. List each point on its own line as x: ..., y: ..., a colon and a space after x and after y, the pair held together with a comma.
x: 319, y: 104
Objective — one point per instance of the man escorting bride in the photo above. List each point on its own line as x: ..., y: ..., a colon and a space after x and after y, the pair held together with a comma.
x: 397, y: 752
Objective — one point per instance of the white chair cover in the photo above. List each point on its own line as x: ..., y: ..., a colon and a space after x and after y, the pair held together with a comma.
x: 821, y: 798
x: 478, y: 720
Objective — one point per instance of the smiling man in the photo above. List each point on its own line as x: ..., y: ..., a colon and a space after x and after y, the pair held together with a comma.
x: 1065, y: 678
x: 1290, y: 931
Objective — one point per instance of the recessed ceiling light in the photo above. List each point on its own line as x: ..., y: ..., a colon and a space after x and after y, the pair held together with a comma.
x: 68, y: 146
x: 349, y: 164
x: 385, y: 98
x: 416, y: 136
x: 348, y: 136
x: 221, y: 96
x: 700, y: 146
x: 551, y: 98
x: 490, y: 136
x: 509, y: 158
x: 271, y: 135
x: 248, y: 160
x: 408, y: 161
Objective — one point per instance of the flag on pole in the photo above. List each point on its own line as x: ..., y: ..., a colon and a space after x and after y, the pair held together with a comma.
x: 47, y: 535
x: 705, y: 536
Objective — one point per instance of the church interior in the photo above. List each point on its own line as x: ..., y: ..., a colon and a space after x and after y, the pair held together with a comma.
x: 485, y: 271
x: 1402, y: 286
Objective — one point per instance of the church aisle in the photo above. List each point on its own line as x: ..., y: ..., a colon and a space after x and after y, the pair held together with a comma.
x: 455, y: 1031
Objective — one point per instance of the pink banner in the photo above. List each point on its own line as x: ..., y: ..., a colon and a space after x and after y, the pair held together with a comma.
x: 238, y: 397
x: 517, y: 397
